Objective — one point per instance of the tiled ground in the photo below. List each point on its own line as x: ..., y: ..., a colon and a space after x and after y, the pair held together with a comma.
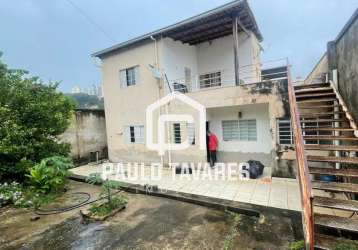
x: 266, y: 191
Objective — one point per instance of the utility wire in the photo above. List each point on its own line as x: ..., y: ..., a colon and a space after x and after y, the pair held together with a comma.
x: 91, y: 21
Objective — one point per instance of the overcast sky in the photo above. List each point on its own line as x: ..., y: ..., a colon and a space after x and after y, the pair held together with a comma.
x: 54, y: 40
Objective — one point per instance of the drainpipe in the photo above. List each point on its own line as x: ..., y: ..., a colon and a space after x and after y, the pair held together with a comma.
x: 159, y: 96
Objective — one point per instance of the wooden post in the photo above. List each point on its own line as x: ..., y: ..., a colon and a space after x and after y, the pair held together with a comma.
x: 235, y: 33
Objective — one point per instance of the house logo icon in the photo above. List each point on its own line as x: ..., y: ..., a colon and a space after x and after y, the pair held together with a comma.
x: 162, y: 146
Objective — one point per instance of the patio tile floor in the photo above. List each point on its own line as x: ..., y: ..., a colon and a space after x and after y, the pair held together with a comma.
x: 266, y: 191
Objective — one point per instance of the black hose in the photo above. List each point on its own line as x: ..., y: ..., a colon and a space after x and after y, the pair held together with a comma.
x: 39, y: 211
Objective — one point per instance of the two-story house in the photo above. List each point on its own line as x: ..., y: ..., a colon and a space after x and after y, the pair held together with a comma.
x: 214, y: 58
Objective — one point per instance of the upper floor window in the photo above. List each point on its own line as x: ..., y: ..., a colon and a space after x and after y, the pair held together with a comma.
x: 129, y: 76
x: 208, y: 80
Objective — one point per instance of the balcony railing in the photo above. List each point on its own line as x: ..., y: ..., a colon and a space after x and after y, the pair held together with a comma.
x: 270, y: 70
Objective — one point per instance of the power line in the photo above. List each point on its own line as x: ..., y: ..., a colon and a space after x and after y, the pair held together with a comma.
x: 91, y: 21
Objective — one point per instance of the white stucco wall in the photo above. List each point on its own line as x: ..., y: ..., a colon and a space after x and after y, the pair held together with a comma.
x: 216, y: 55
x: 175, y: 57
x: 260, y: 112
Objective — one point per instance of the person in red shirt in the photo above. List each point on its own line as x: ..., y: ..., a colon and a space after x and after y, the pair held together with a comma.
x: 213, y: 146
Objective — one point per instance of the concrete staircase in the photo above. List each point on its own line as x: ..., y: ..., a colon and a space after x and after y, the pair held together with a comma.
x: 331, y: 146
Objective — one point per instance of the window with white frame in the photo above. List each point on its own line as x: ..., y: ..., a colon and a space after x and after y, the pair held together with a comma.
x: 239, y: 130
x: 230, y: 130
x: 247, y: 130
x: 134, y: 134
x: 285, y: 135
x: 208, y: 80
x: 191, y: 133
x: 129, y: 76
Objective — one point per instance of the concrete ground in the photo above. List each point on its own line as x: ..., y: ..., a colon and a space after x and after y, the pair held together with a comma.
x: 266, y: 191
x: 147, y: 223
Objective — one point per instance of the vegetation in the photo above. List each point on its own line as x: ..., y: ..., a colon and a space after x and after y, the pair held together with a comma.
x: 45, y: 181
x: 346, y: 246
x: 50, y: 175
x: 112, y: 201
x: 10, y: 193
x: 297, y: 245
x: 84, y: 101
x: 228, y: 243
x: 32, y: 115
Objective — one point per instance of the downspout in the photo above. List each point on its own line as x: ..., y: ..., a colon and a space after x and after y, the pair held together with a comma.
x: 159, y: 96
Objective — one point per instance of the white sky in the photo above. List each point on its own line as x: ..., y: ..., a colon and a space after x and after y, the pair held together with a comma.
x: 53, y: 40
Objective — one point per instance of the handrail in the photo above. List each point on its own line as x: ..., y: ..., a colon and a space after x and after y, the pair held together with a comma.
x: 345, y: 109
x: 302, y: 166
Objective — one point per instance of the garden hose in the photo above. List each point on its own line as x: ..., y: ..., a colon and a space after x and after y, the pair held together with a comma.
x: 40, y: 211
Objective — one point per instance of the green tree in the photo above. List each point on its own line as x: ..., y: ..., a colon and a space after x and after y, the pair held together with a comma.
x: 87, y: 101
x: 32, y: 115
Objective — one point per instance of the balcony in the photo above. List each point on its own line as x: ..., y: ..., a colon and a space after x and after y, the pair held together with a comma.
x: 220, y: 78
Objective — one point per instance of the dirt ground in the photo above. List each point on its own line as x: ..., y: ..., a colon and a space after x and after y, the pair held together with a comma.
x: 147, y: 223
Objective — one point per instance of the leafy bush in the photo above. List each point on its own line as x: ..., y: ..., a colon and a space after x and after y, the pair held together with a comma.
x: 10, y: 193
x: 50, y: 175
x: 32, y: 115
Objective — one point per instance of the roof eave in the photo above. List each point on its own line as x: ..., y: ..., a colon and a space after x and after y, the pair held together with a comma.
x: 103, y: 52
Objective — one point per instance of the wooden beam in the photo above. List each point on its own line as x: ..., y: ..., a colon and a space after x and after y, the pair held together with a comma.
x: 235, y: 32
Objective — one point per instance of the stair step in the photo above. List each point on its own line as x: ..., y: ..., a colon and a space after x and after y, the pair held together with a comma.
x: 329, y: 137
x: 320, y: 106
x: 335, y: 186
x: 310, y: 86
x: 349, y: 160
x: 342, y: 223
x: 317, y: 100
x: 323, y: 120
x: 333, y: 171
x: 348, y: 205
x: 321, y: 114
x: 329, y: 129
x: 331, y: 147
x: 315, y: 95
x: 326, y: 242
x: 309, y: 90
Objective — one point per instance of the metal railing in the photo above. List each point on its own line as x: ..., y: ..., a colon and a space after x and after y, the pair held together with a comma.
x: 302, y: 169
x: 225, y: 77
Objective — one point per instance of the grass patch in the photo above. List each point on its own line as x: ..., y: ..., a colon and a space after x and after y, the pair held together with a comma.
x: 297, y: 245
x: 346, y: 246
x: 232, y: 233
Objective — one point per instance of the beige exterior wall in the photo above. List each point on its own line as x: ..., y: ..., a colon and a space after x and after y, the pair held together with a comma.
x: 127, y: 106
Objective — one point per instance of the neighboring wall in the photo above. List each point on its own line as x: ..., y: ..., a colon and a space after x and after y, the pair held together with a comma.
x: 86, y: 134
x: 347, y: 64
x: 342, y: 55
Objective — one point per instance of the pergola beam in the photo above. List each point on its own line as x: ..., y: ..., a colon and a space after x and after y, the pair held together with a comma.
x: 235, y: 33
